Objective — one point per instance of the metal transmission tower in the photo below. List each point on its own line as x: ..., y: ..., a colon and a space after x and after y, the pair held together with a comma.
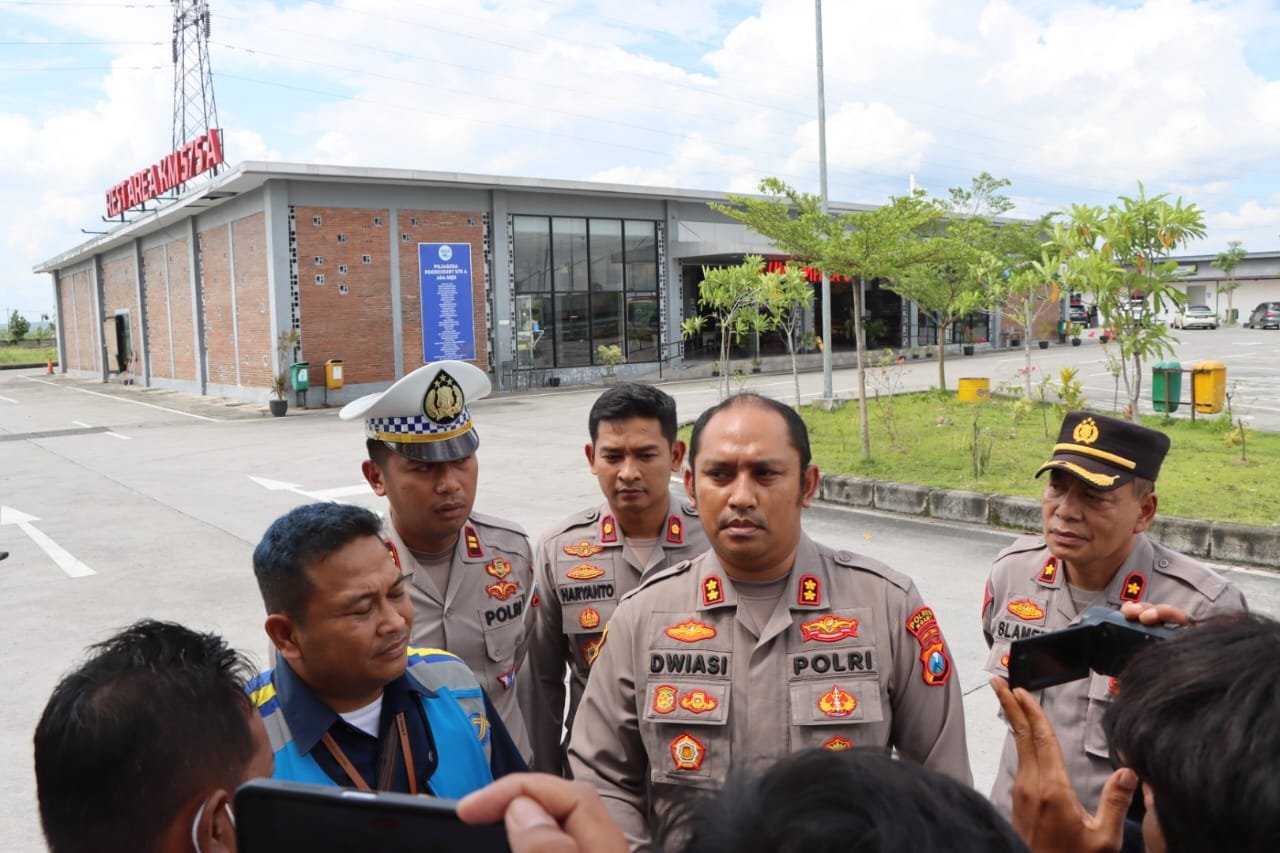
x: 195, y: 112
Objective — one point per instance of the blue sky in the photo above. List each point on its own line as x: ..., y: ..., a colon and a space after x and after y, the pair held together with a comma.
x: 1072, y: 101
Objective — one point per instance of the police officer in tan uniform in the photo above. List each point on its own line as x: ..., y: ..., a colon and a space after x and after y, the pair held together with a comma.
x: 767, y: 644
x: 472, y: 573
x: 588, y: 561
x: 1098, y: 502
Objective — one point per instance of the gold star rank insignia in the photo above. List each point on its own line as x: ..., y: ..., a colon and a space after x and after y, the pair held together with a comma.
x: 712, y: 591
x: 1134, y: 584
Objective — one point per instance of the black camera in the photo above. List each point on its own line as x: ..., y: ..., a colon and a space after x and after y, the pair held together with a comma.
x: 1102, y: 641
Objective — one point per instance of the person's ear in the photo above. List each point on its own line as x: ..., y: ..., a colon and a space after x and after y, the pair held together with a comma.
x: 688, y: 487
x: 1146, y: 511
x: 217, y: 828
x: 590, y: 450
x: 809, y: 485
x: 373, y: 475
x: 283, y: 633
x: 677, y: 456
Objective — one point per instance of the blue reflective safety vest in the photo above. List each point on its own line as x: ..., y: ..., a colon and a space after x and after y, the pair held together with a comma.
x: 454, y: 707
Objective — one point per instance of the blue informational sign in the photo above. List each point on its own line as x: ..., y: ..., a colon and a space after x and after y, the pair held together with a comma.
x: 448, y: 321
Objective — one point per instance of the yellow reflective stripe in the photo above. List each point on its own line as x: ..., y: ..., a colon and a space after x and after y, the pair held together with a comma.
x: 421, y: 438
x: 429, y: 651
x: 263, y: 695
x: 1098, y: 454
x: 1102, y: 481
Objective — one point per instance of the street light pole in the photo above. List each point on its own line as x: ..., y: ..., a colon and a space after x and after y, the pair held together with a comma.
x: 822, y: 180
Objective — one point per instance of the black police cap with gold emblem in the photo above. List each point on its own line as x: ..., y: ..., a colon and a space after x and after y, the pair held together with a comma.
x: 1106, y: 452
x: 424, y: 415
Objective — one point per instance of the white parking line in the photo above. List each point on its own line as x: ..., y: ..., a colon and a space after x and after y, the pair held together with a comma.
x: 125, y: 400
x: 8, y: 400
x: 119, y: 436
x: 83, y: 424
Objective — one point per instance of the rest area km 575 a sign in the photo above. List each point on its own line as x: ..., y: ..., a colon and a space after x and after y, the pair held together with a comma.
x: 198, y: 156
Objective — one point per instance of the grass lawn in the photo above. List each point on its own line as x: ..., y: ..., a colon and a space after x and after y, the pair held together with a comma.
x: 929, y: 439
x: 27, y: 355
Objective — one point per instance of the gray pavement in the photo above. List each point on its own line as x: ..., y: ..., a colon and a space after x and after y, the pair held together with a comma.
x: 120, y: 503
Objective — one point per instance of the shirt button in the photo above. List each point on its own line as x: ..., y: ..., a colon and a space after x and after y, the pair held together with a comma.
x: 1164, y: 564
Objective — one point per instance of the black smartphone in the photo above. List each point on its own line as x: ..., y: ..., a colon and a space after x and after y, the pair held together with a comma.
x: 292, y: 817
x: 1102, y: 641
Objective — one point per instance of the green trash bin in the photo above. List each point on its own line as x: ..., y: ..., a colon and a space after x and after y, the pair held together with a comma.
x: 1166, y: 386
x: 299, y: 374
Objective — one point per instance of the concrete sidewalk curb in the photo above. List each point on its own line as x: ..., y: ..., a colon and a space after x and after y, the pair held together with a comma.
x: 1220, y: 541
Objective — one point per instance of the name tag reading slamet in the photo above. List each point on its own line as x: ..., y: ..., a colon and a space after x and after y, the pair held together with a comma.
x: 687, y: 663
x: 506, y: 613
x: 1016, y: 631
x: 585, y: 592
x: 833, y: 662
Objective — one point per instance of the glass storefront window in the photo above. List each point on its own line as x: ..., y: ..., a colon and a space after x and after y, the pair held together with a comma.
x: 641, y: 243
x: 573, y: 329
x: 606, y: 254
x: 582, y: 283
x: 569, y: 253
x: 532, y: 253
x: 642, y: 326
x: 606, y: 322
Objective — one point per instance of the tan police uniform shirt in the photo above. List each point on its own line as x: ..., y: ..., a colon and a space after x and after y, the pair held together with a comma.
x: 584, y: 565
x: 1028, y: 594
x: 683, y: 691
x: 480, y: 617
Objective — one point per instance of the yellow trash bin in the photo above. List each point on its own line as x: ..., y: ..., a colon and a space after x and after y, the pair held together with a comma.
x: 333, y: 373
x: 1209, y: 383
x: 974, y: 390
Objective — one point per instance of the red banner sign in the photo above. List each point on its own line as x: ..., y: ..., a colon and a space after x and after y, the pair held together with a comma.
x: 198, y: 156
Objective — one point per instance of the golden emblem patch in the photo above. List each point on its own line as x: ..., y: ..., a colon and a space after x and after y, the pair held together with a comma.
x: 664, y: 699
x: 1086, y: 432
x: 591, y: 649
x: 502, y: 590
x: 584, y: 572
x: 589, y: 618
x: 810, y: 591
x: 837, y: 703
x: 688, y: 752
x: 608, y: 530
x: 1025, y: 609
x: 691, y: 631
x: 498, y: 568
x: 582, y: 549
x: 675, y: 531
x: 698, y: 702
x: 837, y: 743
x: 1133, y: 587
x: 443, y: 401
x: 828, y: 629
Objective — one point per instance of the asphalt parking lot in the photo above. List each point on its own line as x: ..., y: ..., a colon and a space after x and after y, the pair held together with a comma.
x: 119, y: 502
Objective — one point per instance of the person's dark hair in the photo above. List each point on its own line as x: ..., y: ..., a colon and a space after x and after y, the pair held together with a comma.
x: 633, y: 400
x: 796, y: 429
x: 302, y: 536
x: 846, y: 801
x: 378, y: 452
x: 155, y: 716
x: 1197, y: 717
x: 1142, y: 487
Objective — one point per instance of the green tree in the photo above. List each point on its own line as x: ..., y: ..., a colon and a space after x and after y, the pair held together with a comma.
x: 784, y: 296
x: 734, y: 297
x: 1227, y: 261
x: 863, y: 245
x: 953, y: 279
x: 1121, y: 256
x: 1018, y: 291
x: 18, y: 326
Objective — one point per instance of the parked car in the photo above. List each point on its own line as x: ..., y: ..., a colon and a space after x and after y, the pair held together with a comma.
x: 1265, y: 316
x: 1195, y: 317
x: 1077, y: 313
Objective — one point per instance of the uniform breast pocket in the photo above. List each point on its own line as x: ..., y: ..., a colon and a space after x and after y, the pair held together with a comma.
x: 684, y: 726
x: 1101, y: 692
x: 837, y: 713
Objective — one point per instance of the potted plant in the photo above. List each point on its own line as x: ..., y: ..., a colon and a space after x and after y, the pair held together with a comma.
x: 967, y: 347
x: 610, y: 355
x: 1107, y: 334
x: 756, y: 364
x: 1074, y: 330
x: 1044, y: 328
x: 285, y: 344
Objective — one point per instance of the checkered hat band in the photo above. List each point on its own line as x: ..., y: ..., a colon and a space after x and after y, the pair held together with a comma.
x: 416, y: 428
